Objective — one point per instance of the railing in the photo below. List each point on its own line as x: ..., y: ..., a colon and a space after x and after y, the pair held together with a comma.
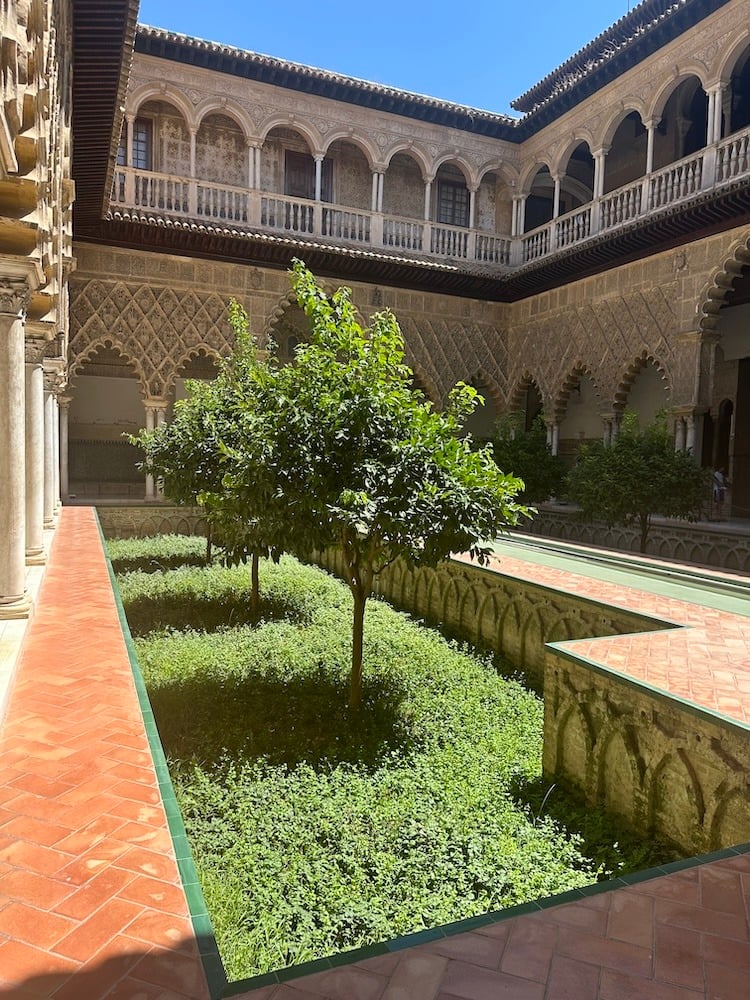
x: 449, y: 241
x: 346, y: 224
x: 222, y: 203
x: 403, y: 234
x: 293, y: 215
x: 710, y: 168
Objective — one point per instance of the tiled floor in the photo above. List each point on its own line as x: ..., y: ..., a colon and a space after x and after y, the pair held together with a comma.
x: 91, y: 903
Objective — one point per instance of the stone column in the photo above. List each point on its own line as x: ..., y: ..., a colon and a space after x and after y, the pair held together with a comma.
x: 374, y: 198
x: 607, y: 436
x: 318, y: 176
x: 472, y: 206
x: 34, y: 482
x: 14, y: 601
x: 56, y: 442
x: 150, y: 493
x: 64, y: 403
x: 679, y: 434
x: 161, y: 419
x: 427, y: 198
x: 129, y: 121
x: 556, y: 196
x: 555, y: 438
x: 690, y: 433
x: 193, y: 150
x: 50, y: 378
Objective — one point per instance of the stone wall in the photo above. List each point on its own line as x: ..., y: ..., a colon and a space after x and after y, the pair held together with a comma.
x: 662, y: 764
x: 492, y: 611
x: 701, y: 545
x: 658, y: 762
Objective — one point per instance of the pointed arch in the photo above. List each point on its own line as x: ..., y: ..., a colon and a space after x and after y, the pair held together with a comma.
x: 632, y: 372
x: 720, y: 284
x: 107, y: 343
x: 184, y: 358
x: 570, y: 384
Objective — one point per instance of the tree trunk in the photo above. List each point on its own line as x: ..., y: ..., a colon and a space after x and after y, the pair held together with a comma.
x: 358, y: 629
x: 255, y: 590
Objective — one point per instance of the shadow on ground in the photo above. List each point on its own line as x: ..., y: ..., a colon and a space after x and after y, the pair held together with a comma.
x: 603, y: 837
x: 282, y: 721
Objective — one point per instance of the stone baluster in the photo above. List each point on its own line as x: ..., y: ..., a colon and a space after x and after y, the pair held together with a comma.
x: 14, y: 297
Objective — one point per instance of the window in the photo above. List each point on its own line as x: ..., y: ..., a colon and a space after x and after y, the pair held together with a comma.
x: 453, y: 203
x: 142, y: 146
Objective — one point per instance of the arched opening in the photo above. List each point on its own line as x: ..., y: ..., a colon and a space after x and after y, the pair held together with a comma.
x: 481, y: 423
x: 202, y: 366
x: 529, y: 405
x: 540, y: 200
x: 161, y: 140
x: 287, y: 166
x: 450, y: 197
x: 730, y: 403
x: 646, y: 393
x: 221, y: 151
x: 106, y: 404
x: 682, y: 129
x: 582, y: 421
x: 739, y: 95
x: 352, y: 184
x: 626, y: 159
x: 403, y: 188
x: 290, y: 330
x: 577, y: 185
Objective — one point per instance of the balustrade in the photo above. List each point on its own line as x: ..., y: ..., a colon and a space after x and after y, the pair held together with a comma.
x: 404, y: 234
x: 148, y: 191
x: 343, y: 224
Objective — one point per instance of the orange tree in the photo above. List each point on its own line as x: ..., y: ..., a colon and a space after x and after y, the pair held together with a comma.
x: 358, y: 459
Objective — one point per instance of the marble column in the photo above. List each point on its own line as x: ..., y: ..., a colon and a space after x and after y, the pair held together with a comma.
x: 150, y: 493
x: 49, y: 448
x: 34, y: 350
x: 56, y: 443
x: 14, y: 601
x: 64, y: 403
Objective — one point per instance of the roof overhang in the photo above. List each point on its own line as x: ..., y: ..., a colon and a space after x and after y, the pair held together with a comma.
x: 670, y: 227
x: 103, y: 38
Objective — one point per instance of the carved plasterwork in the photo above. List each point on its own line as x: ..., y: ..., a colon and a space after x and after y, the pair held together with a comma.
x: 156, y: 328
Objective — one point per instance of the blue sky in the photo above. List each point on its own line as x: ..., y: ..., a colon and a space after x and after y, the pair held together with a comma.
x: 483, y: 53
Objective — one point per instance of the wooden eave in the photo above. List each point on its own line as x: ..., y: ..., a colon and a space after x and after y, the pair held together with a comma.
x: 673, y: 226
x: 103, y: 37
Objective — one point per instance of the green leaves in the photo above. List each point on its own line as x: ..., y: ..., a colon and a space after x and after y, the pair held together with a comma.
x: 638, y: 475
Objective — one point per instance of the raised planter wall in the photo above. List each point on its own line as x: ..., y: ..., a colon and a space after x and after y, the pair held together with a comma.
x: 659, y: 762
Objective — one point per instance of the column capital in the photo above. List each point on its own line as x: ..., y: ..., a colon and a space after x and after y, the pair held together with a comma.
x: 155, y: 403
x: 14, y: 297
x: 34, y: 348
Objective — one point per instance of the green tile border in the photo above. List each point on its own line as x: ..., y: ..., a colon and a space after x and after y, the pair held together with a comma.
x: 484, y: 920
x: 213, y: 966
x: 220, y: 986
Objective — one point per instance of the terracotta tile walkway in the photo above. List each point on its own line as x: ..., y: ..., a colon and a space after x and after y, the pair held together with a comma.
x: 91, y: 903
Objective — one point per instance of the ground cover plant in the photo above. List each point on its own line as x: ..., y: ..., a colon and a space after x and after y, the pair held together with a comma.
x: 314, y: 829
